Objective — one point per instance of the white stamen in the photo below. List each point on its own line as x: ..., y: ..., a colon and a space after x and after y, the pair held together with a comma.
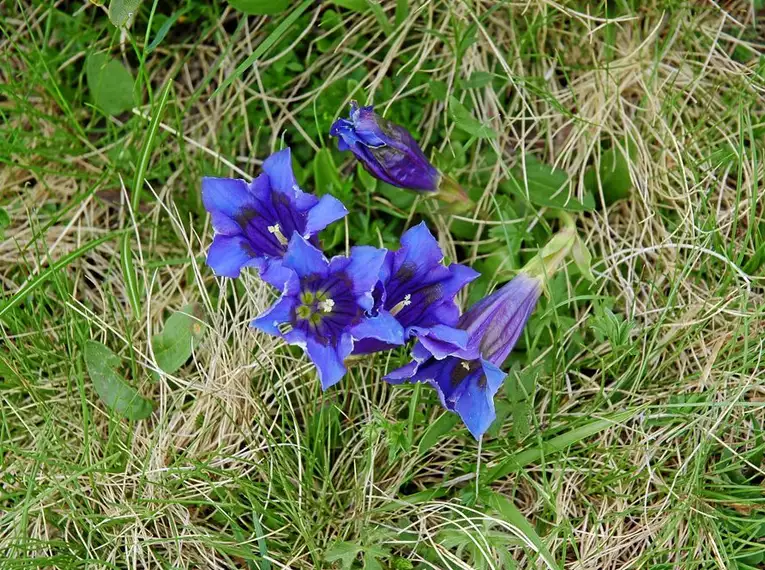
x: 327, y: 305
x: 278, y: 234
x: 465, y: 365
x: 405, y: 303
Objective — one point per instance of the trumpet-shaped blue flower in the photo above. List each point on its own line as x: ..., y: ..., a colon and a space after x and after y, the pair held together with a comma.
x: 254, y: 222
x: 418, y: 290
x: 324, y: 305
x: 468, y: 379
x: 385, y: 149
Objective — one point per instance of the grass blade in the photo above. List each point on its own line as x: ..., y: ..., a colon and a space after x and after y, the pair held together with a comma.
x: 272, y: 38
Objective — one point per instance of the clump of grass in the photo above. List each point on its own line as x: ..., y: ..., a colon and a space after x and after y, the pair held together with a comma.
x: 631, y: 430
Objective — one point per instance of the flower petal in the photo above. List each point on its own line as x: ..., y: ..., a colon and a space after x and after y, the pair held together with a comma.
x: 364, y: 269
x: 304, y: 258
x: 277, y: 275
x: 384, y: 327
x: 475, y: 403
x: 329, y: 359
x: 229, y: 254
x: 329, y: 209
x: 440, y: 340
x: 226, y: 195
x: 419, y: 248
x: 279, y: 313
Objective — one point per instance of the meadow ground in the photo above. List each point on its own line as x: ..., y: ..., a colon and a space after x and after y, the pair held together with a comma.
x: 630, y: 431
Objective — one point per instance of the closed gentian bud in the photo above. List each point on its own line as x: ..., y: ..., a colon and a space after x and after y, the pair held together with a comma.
x: 468, y: 379
x: 389, y: 153
x: 254, y: 222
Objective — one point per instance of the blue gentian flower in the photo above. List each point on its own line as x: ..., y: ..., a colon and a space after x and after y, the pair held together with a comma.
x: 418, y: 290
x: 386, y: 150
x: 325, y: 303
x: 254, y: 222
x: 468, y: 379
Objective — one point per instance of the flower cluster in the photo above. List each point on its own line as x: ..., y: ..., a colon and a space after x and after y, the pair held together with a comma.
x: 372, y: 299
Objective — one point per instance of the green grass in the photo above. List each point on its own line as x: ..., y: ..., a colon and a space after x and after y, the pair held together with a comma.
x: 631, y: 426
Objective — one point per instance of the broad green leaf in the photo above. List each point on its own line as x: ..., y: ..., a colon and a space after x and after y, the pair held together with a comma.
x: 326, y: 178
x: 477, y: 80
x: 438, y: 90
x: 110, y: 84
x: 174, y: 345
x: 112, y: 388
x: 547, y: 186
x: 122, y: 12
x: 260, y: 7
x: 437, y: 430
x: 614, y: 174
x: 5, y: 221
x: 465, y: 121
x: 558, y: 443
x: 510, y: 514
x: 343, y: 552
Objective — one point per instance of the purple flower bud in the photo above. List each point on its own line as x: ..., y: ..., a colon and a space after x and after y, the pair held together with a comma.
x: 386, y: 150
x: 468, y: 379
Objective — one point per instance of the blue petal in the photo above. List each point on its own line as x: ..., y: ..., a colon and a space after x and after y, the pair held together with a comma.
x: 227, y: 195
x: 328, y: 210
x: 304, y: 258
x: 228, y: 254
x: 279, y: 313
x: 384, y: 327
x: 401, y: 375
x: 329, y: 359
x: 278, y: 167
x: 364, y: 270
x: 418, y: 247
x: 475, y: 403
x: 440, y: 340
x: 277, y: 275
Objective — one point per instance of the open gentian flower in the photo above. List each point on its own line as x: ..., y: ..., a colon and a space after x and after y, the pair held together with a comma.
x: 324, y: 304
x: 468, y: 379
x: 418, y: 290
x: 386, y: 150
x: 254, y: 222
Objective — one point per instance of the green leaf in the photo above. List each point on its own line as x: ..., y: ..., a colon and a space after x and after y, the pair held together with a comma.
x: 110, y: 84
x: 122, y: 12
x: 437, y: 430
x: 583, y: 259
x: 326, y: 178
x: 614, y: 174
x: 343, y: 552
x: 465, y: 121
x: 438, y: 90
x: 477, y: 80
x: 558, y: 443
x: 260, y: 7
x: 402, y: 11
x: 5, y: 221
x: 112, y: 388
x: 174, y: 345
x: 165, y: 28
x: 547, y: 186
x: 510, y: 514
